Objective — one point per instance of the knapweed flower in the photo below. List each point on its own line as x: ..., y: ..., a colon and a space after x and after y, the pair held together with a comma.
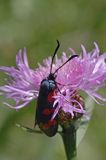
x: 86, y: 73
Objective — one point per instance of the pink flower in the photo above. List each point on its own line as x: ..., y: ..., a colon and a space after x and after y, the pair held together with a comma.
x: 85, y: 73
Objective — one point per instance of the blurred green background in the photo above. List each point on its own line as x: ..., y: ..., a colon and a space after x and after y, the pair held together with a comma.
x: 36, y: 24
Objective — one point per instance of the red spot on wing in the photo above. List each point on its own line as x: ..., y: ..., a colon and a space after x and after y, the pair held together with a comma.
x: 46, y: 111
x: 46, y: 126
x: 52, y: 122
x: 50, y: 96
x: 49, y: 124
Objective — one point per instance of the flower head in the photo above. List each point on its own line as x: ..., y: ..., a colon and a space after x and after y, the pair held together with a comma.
x: 85, y: 73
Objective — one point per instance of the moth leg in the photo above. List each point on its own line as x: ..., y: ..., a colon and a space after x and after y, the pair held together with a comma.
x: 27, y: 129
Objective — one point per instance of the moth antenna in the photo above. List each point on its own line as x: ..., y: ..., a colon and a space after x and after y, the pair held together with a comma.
x: 56, y: 49
x: 73, y: 56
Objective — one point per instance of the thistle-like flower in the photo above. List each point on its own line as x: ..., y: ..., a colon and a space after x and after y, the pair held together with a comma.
x: 86, y: 73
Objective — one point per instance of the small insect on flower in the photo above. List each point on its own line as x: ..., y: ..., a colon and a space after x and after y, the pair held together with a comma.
x: 45, y: 109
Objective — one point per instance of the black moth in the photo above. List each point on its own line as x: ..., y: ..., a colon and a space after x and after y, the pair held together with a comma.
x: 45, y: 109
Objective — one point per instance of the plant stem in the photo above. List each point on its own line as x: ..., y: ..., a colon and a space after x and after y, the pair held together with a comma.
x: 69, y: 140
